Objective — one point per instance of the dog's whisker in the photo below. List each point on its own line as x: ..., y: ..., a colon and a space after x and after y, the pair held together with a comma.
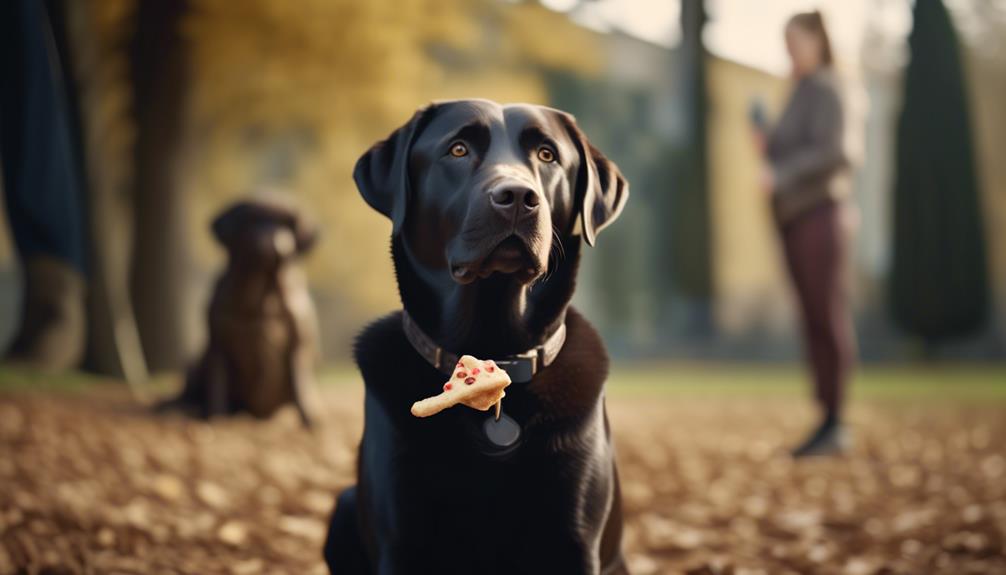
x: 558, y: 243
x: 553, y: 264
x: 556, y: 253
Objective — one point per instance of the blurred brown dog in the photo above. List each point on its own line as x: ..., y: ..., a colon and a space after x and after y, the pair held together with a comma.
x: 263, y: 331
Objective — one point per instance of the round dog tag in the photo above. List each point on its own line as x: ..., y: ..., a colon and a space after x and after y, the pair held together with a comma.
x: 503, y: 433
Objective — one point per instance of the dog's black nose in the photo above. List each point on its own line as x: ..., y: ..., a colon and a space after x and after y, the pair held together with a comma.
x: 511, y: 200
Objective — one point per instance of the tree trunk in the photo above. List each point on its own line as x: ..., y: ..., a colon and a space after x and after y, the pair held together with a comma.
x: 160, y: 286
x: 113, y: 346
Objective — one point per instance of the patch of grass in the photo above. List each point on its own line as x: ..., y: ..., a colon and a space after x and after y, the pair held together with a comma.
x: 951, y: 382
x: 345, y: 374
x: 22, y: 379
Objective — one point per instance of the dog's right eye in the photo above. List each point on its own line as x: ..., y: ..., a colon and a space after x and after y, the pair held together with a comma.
x: 459, y: 150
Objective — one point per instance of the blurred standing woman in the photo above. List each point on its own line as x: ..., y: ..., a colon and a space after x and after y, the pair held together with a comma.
x: 806, y: 177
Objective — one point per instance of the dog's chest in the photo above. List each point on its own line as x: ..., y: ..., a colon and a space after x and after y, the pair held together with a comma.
x: 258, y: 346
x: 436, y: 484
x: 261, y: 333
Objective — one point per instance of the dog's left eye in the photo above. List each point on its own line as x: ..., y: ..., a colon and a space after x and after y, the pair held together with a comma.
x: 546, y: 154
x: 459, y: 150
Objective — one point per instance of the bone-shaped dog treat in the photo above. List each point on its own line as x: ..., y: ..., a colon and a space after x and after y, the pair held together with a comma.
x: 477, y: 384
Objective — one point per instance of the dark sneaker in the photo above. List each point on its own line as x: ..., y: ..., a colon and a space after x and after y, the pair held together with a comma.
x: 828, y: 439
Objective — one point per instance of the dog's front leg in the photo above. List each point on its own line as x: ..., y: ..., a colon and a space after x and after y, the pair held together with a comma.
x: 218, y: 396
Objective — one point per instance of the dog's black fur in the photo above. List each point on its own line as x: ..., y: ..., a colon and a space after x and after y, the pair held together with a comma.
x: 489, y: 277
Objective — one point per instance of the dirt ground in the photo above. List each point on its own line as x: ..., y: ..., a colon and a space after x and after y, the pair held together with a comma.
x: 91, y: 483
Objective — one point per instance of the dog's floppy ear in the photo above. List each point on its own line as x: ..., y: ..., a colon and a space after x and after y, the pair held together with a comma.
x: 226, y: 225
x: 601, y: 190
x: 382, y: 174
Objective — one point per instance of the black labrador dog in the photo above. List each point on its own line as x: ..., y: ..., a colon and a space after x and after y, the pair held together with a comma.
x: 263, y: 331
x: 488, y: 205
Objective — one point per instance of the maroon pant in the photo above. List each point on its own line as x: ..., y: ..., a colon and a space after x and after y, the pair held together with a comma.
x: 816, y: 255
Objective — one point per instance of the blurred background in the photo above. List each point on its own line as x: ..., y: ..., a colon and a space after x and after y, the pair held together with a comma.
x: 177, y: 108
x: 231, y: 99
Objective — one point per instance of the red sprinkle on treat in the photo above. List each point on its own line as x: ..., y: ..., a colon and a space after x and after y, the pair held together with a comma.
x: 448, y: 386
x: 470, y: 380
x: 462, y: 375
x: 475, y: 371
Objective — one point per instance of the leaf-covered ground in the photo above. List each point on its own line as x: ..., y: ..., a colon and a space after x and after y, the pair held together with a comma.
x: 90, y: 482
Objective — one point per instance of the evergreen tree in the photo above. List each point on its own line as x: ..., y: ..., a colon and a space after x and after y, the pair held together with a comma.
x: 939, y: 286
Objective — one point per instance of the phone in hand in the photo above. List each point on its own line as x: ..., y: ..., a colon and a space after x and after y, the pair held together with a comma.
x: 758, y: 115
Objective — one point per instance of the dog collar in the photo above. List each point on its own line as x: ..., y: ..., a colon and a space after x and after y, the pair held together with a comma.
x: 520, y: 367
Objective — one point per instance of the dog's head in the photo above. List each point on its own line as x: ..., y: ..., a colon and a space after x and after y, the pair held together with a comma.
x: 477, y: 188
x: 264, y: 233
